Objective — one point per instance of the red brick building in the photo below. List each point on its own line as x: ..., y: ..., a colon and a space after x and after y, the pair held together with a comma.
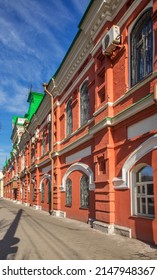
x: 103, y: 123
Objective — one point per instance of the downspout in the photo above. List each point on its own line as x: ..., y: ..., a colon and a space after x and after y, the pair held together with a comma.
x: 29, y: 164
x: 52, y: 142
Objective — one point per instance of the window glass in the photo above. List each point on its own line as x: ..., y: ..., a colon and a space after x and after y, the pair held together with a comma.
x: 84, y: 191
x: 144, y: 192
x: 49, y: 192
x: 68, y: 192
x: 145, y: 174
x: 141, y: 48
x: 69, y: 118
x: 42, y: 192
x: 84, y: 103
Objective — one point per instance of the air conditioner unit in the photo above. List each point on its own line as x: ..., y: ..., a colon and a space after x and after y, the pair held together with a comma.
x: 33, y: 140
x: 37, y: 133
x: 111, y: 40
x: 49, y: 118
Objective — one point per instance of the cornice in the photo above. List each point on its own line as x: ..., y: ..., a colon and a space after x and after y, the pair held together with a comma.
x: 100, y: 12
x: 77, y: 80
x: 124, y: 18
x: 106, y: 11
x: 76, y: 58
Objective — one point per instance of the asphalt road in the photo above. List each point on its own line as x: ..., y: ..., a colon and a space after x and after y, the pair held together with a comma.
x: 28, y: 234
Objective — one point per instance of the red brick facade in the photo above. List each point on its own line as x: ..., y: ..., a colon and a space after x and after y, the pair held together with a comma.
x: 93, y: 170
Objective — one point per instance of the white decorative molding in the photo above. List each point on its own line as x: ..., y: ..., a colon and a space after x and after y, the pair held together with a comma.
x: 81, y: 154
x: 119, y: 183
x: 46, y: 176
x: 73, y: 145
x: 101, y: 109
x: 46, y: 169
x: 146, y: 147
x: 131, y: 111
x: 37, y: 207
x: 79, y: 166
x: 141, y: 127
x: 58, y: 213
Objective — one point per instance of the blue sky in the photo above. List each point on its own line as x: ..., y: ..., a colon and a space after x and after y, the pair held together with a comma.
x: 34, y: 38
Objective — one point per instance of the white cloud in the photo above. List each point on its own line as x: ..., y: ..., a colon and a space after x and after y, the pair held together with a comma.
x: 80, y: 5
x: 4, y: 154
x: 15, y: 103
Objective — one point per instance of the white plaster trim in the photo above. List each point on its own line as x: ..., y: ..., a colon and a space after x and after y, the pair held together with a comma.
x: 46, y: 169
x: 78, y: 155
x: 73, y: 145
x: 79, y: 166
x: 141, y: 127
x: 120, y: 23
x: 75, y: 83
x: 146, y: 147
x: 101, y: 109
x: 46, y: 176
x: 119, y: 183
x: 58, y: 213
x: 132, y: 110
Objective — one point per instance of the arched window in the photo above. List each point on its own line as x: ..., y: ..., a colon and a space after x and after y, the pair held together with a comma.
x: 69, y: 118
x: 43, y: 143
x: 84, y: 191
x: 84, y: 103
x: 42, y: 192
x: 144, y: 192
x: 68, y: 192
x: 141, y: 48
x: 49, y: 136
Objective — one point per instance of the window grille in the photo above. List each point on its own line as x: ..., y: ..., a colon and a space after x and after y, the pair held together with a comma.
x: 69, y: 118
x: 142, y: 48
x: 68, y: 192
x: 144, y: 192
x: 42, y: 192
x: 49, y: 192
x: 84, y: 192
x: 84, y: 103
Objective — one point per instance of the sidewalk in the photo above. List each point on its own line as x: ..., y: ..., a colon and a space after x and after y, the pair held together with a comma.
x: 26, y: 233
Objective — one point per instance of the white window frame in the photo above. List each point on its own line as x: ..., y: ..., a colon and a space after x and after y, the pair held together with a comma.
x: 135, y: 195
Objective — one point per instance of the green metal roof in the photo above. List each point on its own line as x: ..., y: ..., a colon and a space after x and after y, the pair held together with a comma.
x: 34, y: 99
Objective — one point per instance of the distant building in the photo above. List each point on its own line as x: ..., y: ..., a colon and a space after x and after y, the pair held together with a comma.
x: 89, y: 150
x: 1, y: 183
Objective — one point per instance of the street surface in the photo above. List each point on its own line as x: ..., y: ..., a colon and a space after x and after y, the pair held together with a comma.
x: 28, y: 234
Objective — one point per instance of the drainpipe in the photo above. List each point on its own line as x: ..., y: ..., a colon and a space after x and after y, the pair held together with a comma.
x: 29, y: 164
x: 52, y: 142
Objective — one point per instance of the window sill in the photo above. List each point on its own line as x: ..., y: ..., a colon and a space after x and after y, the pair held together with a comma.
x: 142, y: 217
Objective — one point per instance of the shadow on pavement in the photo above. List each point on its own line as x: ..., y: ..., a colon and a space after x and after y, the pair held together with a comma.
x: 7, y: 243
